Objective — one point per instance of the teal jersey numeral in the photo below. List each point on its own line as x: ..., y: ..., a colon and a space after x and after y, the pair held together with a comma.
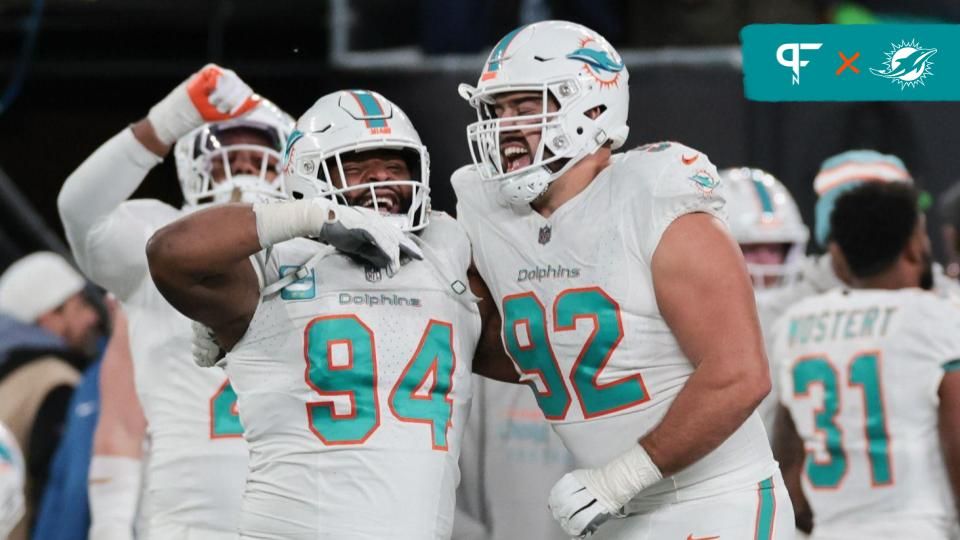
x: 224, y: 418
x: 595, y: 398
x: 524, y: 315
x: 817, y: 370
x: 355, y: 377
x: 341, y: 360
x: 865, y: 373
x: 434, y: 363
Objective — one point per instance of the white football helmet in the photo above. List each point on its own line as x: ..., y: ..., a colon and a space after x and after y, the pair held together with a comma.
x: 356, y: 121
x: 567, y: 63
x: 197, y: 154
x: 761, y: 211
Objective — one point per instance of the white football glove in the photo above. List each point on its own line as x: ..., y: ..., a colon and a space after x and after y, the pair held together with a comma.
x: 584, y: 499
x: 212, y: 94
x: 361, y: 232
x: 206, y: 351
x: 578, y: 511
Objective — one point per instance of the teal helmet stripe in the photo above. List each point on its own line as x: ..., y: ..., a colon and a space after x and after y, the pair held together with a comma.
x: 766, y: 203
x: 371, y: 107
x: 493, y: 63
x: 5, y: 455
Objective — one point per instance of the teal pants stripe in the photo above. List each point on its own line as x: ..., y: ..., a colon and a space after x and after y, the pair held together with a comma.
x: 766, y: 510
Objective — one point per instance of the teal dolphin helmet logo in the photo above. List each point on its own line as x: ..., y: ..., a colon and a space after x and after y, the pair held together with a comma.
x: 598, y: 62
x: 705, y: 180
x: 908, y: 64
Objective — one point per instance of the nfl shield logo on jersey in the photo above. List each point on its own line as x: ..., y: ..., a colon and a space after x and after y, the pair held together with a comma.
x: 545, y: 233
x: 373, y: 273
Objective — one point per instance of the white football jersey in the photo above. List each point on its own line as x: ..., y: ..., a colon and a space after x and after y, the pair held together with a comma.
x: 354, y: 389
x: 197, y: 460
x: 12, y: 482
x: 859, y: 371
x: 580, y: 316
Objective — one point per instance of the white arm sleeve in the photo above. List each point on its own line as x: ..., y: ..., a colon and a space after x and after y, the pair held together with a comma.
x: 93, y: 192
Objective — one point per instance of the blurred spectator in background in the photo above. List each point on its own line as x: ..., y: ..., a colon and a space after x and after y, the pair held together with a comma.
x: 47, y: 334
x: 90, y: 433
x: 950, y: 229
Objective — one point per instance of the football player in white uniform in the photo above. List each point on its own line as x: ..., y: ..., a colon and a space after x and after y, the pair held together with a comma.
x: 198, y: 460
x: 821, y: 273
x: 12, y: 482
x: 765, y: 221
x: 870, y: 376
x: 625, y: 302
x: 353, y: 381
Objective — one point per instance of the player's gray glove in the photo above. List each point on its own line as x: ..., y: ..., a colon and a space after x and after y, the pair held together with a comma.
x: 364, y: 233
x: 361, y: 232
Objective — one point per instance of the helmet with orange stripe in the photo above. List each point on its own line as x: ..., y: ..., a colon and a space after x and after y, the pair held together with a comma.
x: 765, y: 221
x: 358, y: 148
x: 579, y: 87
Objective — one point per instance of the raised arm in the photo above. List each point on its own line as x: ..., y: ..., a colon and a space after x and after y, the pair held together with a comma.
x: 110, y: 251
x: 200, y: 263
x: 105, y: 179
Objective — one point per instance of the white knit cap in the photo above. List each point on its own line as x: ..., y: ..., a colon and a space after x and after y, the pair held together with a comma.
x: 36, y: 284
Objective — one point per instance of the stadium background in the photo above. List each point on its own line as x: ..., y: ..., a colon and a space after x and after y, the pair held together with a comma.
x: 76, y: 71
